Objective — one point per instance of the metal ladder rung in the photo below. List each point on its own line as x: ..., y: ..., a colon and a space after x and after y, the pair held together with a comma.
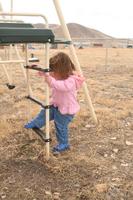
x: 40, y: 133
x: 62, y: 42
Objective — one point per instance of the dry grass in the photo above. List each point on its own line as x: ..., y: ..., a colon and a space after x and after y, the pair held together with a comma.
x: 99, y: 165
x: 5, y: 128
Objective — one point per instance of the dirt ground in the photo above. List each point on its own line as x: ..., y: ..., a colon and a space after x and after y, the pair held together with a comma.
x: 99, y: 165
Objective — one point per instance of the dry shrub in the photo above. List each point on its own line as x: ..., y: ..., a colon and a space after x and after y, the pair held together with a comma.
x: 20, y: 104
x: 125, y: 109
x: 5, y: 128
x: 106, y: 102
x: 131, y: 126
x: 123, y: 114
x: 128, y: 105
x: 107, y: 119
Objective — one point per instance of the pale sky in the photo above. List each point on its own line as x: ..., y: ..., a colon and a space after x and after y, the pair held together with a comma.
x: 112, y: 17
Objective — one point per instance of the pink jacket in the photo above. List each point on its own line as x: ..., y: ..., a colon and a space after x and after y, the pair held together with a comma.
x: 64, y: 93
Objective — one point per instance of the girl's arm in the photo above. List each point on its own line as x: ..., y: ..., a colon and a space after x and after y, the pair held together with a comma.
x: 62, y: 85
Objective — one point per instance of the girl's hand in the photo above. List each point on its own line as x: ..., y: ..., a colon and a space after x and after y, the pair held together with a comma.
x: 77, y: 73
x: 41, y: 73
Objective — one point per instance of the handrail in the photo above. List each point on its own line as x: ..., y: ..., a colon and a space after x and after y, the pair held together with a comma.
x: 25, y: 14
x: 13, y: 20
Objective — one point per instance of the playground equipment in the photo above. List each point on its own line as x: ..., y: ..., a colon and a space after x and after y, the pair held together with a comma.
x: 9, y: 23
x: 14, y: 34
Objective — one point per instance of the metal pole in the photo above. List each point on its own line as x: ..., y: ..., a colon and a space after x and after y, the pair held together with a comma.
x: 19, y: 57
x: 21, y: 65
x: 75, y: 58
x: 8, y: 77
x: 1, y: 10
x: 47, y: 102
x: 3, y: 65
x: 10, y: 58
x: 11, y: 47
x: 27, y: 70
x: 47, y: 127
x: 11, y: 9
x: 6, y: 72
x: 28, y: 81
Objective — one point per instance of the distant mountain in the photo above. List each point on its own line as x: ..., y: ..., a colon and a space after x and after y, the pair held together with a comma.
x: 76, y: 31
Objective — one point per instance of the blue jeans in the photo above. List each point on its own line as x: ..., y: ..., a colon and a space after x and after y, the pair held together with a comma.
x: 61, y: 122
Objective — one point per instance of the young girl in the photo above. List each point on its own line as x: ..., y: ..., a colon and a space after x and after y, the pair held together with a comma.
x: 64, y: 84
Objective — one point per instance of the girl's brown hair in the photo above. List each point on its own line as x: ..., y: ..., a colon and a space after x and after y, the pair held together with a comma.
x: 62, y: 65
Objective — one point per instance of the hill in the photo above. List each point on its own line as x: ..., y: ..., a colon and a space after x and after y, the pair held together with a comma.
x: 76, y: 31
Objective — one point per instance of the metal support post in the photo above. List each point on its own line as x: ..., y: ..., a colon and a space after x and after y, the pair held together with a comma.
x: 75, y: 58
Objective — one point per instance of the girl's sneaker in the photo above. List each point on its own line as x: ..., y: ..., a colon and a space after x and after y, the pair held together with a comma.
x: 60, y: 148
